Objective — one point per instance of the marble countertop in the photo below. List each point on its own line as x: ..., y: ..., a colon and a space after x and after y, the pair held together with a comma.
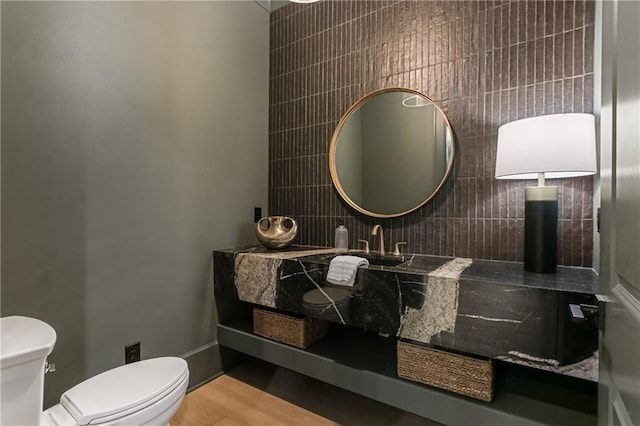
x: 489, y: 308
x: 567, y: 279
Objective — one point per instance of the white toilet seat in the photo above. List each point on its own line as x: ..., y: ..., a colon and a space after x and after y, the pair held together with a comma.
x: 131, y: 394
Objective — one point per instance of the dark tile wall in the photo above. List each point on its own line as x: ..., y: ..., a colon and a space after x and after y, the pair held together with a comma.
x: 484, y: 62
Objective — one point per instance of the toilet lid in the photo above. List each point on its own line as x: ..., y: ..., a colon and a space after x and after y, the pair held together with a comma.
x: 123, y: 390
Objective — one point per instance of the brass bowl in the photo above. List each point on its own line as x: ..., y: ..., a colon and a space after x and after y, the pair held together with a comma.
x: 276, y: 232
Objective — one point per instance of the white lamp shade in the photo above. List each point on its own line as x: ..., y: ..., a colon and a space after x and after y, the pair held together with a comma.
x: 560, y: 145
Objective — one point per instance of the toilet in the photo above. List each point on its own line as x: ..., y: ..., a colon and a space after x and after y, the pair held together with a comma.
x: 147, y: 392
x: 318, y: 304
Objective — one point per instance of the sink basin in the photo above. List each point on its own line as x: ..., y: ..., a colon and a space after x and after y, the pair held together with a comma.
x: 387, y: 260
x: 384, y: 260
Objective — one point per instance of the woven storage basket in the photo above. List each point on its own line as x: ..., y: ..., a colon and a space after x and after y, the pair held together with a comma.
x: 298, y: 332
x: 457, y: 373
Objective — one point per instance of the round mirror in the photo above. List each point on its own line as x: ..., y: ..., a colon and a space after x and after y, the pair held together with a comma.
x: 391, y: 152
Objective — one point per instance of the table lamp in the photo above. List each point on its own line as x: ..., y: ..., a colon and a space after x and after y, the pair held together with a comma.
x: 548, y: 146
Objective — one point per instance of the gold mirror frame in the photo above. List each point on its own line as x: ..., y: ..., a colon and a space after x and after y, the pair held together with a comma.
x: 334, y: 140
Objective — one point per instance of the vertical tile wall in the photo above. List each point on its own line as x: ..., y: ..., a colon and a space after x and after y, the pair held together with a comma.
x: 484, y: 62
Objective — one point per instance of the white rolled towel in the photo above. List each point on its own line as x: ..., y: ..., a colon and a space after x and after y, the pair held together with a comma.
x: 343, y: 269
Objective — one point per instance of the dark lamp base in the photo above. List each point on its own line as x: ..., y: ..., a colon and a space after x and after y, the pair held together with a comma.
x: 541, y: 236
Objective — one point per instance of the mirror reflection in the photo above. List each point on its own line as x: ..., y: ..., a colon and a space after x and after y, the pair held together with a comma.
x: 391, y: 152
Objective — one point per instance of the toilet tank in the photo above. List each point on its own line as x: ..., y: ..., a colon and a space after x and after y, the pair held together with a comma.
x: 25, y: 344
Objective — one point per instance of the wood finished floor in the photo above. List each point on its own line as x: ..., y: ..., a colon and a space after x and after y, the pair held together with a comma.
x: 257, y: 394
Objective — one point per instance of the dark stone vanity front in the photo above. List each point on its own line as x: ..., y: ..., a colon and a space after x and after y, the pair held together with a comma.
x: 488, y: 308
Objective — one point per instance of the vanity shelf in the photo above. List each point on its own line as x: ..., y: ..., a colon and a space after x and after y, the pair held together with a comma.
x: 365, y: 363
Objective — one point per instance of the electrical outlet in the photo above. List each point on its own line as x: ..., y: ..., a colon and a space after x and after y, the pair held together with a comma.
x: 132, y: 353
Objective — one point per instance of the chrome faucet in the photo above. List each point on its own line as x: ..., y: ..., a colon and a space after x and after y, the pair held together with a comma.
x: 374, y: 231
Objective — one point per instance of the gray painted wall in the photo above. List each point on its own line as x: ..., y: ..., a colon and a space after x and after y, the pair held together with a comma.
x: 397, y: 135
x: 277, y: 4
x: 134, y: 142
x: 349, y: 157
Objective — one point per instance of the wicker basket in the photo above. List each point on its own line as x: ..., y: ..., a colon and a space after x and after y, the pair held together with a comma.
x: 457, y: 373
x: 298, y: 332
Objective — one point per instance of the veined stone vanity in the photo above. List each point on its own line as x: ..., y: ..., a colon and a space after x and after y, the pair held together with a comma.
x: 488, y: 308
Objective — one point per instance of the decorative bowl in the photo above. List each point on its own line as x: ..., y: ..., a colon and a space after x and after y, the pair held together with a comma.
x: 276, y: 232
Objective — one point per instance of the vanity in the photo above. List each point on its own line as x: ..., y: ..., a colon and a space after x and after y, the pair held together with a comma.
x: 390, y: 155
x: 540, y: 328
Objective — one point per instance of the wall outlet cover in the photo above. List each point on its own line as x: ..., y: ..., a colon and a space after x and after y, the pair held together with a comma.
x: 132, y: 353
